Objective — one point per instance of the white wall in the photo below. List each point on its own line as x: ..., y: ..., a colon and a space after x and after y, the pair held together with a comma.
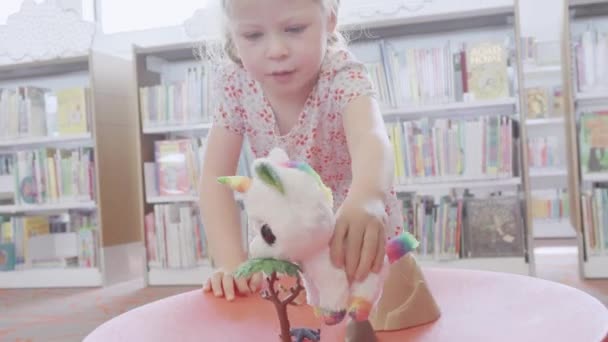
x: 541, y: 19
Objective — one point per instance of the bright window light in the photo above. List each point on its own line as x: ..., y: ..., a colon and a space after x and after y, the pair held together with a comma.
x: 134, y: 15
x: 8, y: 7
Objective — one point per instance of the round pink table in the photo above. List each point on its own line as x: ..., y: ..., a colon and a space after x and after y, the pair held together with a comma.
x: 475, y: 306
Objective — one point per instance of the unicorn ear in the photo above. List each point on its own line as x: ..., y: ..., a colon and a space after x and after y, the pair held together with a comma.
x: 278, y: 155
x: 236, y: 183
x: 268, y: 175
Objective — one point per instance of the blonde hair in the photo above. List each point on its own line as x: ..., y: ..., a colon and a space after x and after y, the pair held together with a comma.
x: 335, y: 39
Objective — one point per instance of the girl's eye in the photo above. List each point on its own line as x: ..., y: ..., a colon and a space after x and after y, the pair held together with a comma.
x: 296, y: 29
x: 252, y: 36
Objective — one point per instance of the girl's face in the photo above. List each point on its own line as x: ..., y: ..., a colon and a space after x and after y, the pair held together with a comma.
x: 281, y: 42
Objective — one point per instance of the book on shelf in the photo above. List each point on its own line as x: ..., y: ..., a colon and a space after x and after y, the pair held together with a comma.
x: 593, y: 141
x: 544, y: 102
x: 52, y: 175
x: 550, y: 204
x: 590, y: 52
x: 440, y: 73
x: 177, y: 102
x: 35, y: 112
x: 469, y: 149
x: 595, y: 220
x: 438, y: 226
x: 178, y: 164
x: 66, y: 240
x: 494, y: 227
x: 457, y: 227
x: 544, y: 152
x: 7, y: 257
x: 174, y: 237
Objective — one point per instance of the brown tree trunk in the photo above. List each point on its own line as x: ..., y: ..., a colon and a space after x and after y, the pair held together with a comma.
x: 284, y: 322
x: 281, y: 305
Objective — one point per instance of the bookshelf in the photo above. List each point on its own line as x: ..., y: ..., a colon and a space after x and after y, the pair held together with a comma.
x: 544, y: 111
x: 585, y: 42
x: 76, y: 166
x: 172, y: 142
x: 432, y: 113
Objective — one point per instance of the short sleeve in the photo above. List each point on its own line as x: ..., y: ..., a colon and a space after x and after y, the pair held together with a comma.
x: 226, y: 98
x: 350, y: 79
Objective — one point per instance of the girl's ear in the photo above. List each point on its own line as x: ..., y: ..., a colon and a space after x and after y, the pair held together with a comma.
x: 236, y: 183
x: 268, y: 175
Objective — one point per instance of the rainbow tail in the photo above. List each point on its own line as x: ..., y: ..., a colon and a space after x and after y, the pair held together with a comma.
x: 400, y: 246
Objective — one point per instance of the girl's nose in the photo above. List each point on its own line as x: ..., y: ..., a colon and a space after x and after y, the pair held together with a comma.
x: 277, y: 49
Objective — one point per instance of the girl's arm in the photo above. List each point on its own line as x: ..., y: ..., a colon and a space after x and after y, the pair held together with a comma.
x: 219, y: 211
x: 370, y: 150
x: 359, y: 239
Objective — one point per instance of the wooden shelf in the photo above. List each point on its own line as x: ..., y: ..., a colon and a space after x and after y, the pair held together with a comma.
x: 84, y: 140
x: 172, y: 199
x: 548, y: 172
x: 456, y: 109
x: 595, y: 177
x: 51, y: 277
x: 553, y: 229
x: 591, y: 99
x: 458, y: 184
x: 542, y: 70
x: 47, y: 208
x: 575, y: 102
x: 545, y: 122
x: 596, y: 267
x: 199, y: 127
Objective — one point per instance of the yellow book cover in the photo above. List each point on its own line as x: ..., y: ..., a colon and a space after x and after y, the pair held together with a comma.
x: 537, y: 102
x: 72, y: 111
x: 487, y: 71
x: 34, y: 225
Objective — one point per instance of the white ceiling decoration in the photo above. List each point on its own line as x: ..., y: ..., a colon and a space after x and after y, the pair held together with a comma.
x: 41, y: 31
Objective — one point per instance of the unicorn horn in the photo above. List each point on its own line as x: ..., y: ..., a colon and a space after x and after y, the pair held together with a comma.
x: 237, y: 183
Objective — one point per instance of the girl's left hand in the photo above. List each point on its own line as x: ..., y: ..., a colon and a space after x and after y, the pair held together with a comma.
x: 359, y: 238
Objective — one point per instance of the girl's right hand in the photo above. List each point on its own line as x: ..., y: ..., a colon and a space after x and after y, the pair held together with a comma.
x: 223, y: 284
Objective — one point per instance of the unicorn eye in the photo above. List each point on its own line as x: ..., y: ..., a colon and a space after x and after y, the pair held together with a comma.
x: 267, y: 235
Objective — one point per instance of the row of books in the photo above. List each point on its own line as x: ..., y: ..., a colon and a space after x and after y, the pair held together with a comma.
x: 441, y: 72
x: 178, y: 164
x: 595, y: 220
x: 65, y: 240
x: 49, y: 175
x: 177, y: 102
x: 544, y: 152
x: 175, y: 236
x: 593, y: 141
x: 550, y: 204
x: 29, y: 111
x: 465, y: 227
x: 590, y: 51
x: 544, y: 102
x: 427, y: 150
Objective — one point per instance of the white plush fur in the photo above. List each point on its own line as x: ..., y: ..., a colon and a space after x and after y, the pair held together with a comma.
x: 302, y: 220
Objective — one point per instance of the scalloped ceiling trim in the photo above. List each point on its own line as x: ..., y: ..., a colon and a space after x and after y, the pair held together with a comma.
x: 367, y: 8
x: 44, y: 31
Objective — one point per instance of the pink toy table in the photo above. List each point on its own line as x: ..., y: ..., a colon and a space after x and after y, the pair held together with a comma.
x: 475, y: 306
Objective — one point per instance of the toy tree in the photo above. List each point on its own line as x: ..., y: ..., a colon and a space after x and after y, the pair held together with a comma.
x: 271, y: 268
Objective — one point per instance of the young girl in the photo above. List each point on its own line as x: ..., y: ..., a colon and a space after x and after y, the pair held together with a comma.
x: 291, y: 83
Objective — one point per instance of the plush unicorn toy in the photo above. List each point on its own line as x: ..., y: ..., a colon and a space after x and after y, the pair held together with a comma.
x: 290, y: 212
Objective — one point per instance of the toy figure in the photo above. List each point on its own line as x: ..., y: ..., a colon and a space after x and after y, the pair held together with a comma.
x: 290, y: 211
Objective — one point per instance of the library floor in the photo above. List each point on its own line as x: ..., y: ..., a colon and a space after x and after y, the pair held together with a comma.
x: 70, y: 314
